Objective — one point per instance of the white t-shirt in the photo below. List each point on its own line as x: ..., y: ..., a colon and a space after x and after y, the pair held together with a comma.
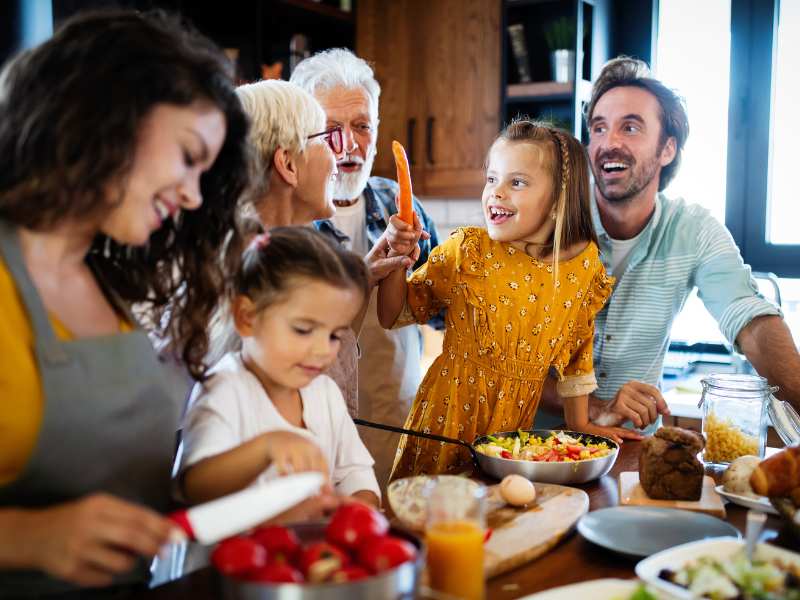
x: 620, y: 251
x: 232, y: 407
x: 352, y: 221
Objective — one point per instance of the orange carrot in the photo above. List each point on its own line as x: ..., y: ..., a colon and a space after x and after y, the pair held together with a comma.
x: 404, y: 205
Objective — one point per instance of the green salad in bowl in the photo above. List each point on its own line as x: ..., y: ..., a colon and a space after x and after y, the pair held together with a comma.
x: 737, y: 577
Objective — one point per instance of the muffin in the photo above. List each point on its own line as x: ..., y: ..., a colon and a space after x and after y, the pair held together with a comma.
x: 668, y: 465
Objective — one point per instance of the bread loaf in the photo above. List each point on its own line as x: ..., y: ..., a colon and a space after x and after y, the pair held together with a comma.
x: 668, y: 465
x: 779, y: 474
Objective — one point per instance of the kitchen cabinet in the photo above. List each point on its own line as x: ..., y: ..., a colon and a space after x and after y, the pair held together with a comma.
x: 438, y: 63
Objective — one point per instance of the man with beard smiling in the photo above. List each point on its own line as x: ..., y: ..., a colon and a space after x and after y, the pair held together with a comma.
x: 659, y: 249
x: 389, y: 370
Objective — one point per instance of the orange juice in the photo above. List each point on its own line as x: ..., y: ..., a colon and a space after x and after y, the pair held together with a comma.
x: 455, y: 558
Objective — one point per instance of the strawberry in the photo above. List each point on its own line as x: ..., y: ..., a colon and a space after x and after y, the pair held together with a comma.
x: 319, y: 560
x: 384, y: 553
x: 276, y: 572
x: 282, y: 544
x: 355, y: 523
x: 238, y: 556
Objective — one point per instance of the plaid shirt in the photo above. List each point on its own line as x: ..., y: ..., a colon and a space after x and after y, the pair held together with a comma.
x: 379, y: 196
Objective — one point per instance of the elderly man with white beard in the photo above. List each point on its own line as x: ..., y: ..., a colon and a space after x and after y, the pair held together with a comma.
x: 389, y: 369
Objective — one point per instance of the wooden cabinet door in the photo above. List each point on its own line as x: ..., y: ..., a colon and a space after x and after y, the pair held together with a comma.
x: 462, y: 92
x: 438, y: 63
x: 387, y: 37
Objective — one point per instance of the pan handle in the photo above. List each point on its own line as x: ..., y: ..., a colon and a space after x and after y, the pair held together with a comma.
x: 429, y: 436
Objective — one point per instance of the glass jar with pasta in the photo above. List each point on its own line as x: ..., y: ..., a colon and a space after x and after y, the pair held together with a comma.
x: 734, y: 417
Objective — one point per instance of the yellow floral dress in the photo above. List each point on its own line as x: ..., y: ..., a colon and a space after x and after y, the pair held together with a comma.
x: 507, y: 323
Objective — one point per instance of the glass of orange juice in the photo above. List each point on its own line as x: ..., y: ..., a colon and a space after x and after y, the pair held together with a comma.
x: 454, y: 534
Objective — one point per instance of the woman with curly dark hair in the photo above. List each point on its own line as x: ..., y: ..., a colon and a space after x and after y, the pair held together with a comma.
x: 123, y: 152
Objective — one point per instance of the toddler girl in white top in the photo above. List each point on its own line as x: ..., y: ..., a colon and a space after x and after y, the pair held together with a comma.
x: 295, y: 294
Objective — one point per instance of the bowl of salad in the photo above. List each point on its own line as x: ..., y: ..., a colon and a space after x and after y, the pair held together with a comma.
x: 546, y: 456
x: 718, y: 568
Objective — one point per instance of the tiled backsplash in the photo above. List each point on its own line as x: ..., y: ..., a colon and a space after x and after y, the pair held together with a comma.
x: 449, y: 214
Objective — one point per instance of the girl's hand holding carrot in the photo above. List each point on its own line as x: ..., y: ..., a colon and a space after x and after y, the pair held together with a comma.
x: 405, y: 206
x: 403, y: 238
x: 404, y: 230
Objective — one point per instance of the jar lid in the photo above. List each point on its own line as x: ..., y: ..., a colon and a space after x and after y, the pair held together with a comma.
x: 785, y: 420
x: 738, y: 382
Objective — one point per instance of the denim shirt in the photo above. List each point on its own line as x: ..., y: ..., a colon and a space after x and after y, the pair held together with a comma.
x: 379, y: 196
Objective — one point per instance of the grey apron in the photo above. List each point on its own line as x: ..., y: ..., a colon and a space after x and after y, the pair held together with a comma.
x: 109, y: 425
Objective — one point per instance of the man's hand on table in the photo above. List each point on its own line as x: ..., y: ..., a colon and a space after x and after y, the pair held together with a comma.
x: 637, y: 402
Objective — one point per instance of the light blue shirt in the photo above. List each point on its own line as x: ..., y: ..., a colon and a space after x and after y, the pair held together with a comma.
x: 682, y: 246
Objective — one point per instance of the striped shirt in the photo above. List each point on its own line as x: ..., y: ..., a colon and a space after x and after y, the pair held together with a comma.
x: 681, y: 247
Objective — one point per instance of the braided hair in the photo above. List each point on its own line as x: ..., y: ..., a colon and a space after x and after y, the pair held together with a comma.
x: 569, y: 169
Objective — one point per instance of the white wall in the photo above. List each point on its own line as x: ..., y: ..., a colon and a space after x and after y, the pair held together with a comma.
x: 449, y: 214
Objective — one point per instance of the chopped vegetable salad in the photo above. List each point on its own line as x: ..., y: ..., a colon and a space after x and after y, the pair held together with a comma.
x: 558, y: 447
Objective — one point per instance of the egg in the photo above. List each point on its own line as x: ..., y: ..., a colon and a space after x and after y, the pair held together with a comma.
x: 516, y: 490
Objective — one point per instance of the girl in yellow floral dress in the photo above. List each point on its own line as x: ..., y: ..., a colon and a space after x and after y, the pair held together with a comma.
x: 520, y: 297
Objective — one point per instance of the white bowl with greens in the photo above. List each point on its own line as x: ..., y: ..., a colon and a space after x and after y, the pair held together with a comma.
x: 718, y: 568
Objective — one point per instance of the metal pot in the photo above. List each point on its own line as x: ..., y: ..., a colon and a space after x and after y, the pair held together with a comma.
x: 542, y: 472
x: 395, y: 584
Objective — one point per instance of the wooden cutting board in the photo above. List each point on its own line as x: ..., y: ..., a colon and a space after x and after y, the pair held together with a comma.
x: 632, y: 493
x: 519, y: 535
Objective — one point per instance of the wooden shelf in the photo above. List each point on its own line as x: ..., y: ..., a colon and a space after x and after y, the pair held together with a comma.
x: 321, y: 9
x: 540, y: 90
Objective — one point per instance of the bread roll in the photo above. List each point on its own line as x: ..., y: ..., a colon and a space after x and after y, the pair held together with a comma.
x: 736, y: 478
x: 668, y: 465
x: 779, y: 474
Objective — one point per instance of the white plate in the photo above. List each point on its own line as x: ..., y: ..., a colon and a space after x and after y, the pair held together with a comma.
x: 599, y: 589
x: 719, y: 548
x: 759, y: 503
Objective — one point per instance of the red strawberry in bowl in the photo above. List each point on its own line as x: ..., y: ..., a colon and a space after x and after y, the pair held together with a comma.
x: 282, y: 544
x: 351, y: 573
x: 384, y: 553
x: 319, y: 560
x: 355, y: 523
x: 238, y: 556
x: 276, y: 572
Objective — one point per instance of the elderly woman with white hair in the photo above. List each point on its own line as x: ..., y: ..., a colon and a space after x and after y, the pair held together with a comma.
x: 295, y: 156
x: 293, y: 168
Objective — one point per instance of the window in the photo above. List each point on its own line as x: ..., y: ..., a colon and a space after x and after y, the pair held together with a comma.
x: 783, y: 210
x: 693, y: 57
x: 760, y: 205
x: 732, y: 61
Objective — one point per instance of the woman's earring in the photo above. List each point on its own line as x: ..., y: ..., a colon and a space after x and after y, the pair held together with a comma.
x: 553, y: 215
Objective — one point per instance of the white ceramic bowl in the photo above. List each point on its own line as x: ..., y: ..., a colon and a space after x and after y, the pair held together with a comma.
x: 718, y: 548
x: 408, y: 501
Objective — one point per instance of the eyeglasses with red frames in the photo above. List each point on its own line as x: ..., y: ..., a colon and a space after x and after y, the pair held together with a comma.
x: 334, y: 138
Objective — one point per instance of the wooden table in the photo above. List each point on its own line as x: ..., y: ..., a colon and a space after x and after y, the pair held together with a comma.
x: 573, y: 560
